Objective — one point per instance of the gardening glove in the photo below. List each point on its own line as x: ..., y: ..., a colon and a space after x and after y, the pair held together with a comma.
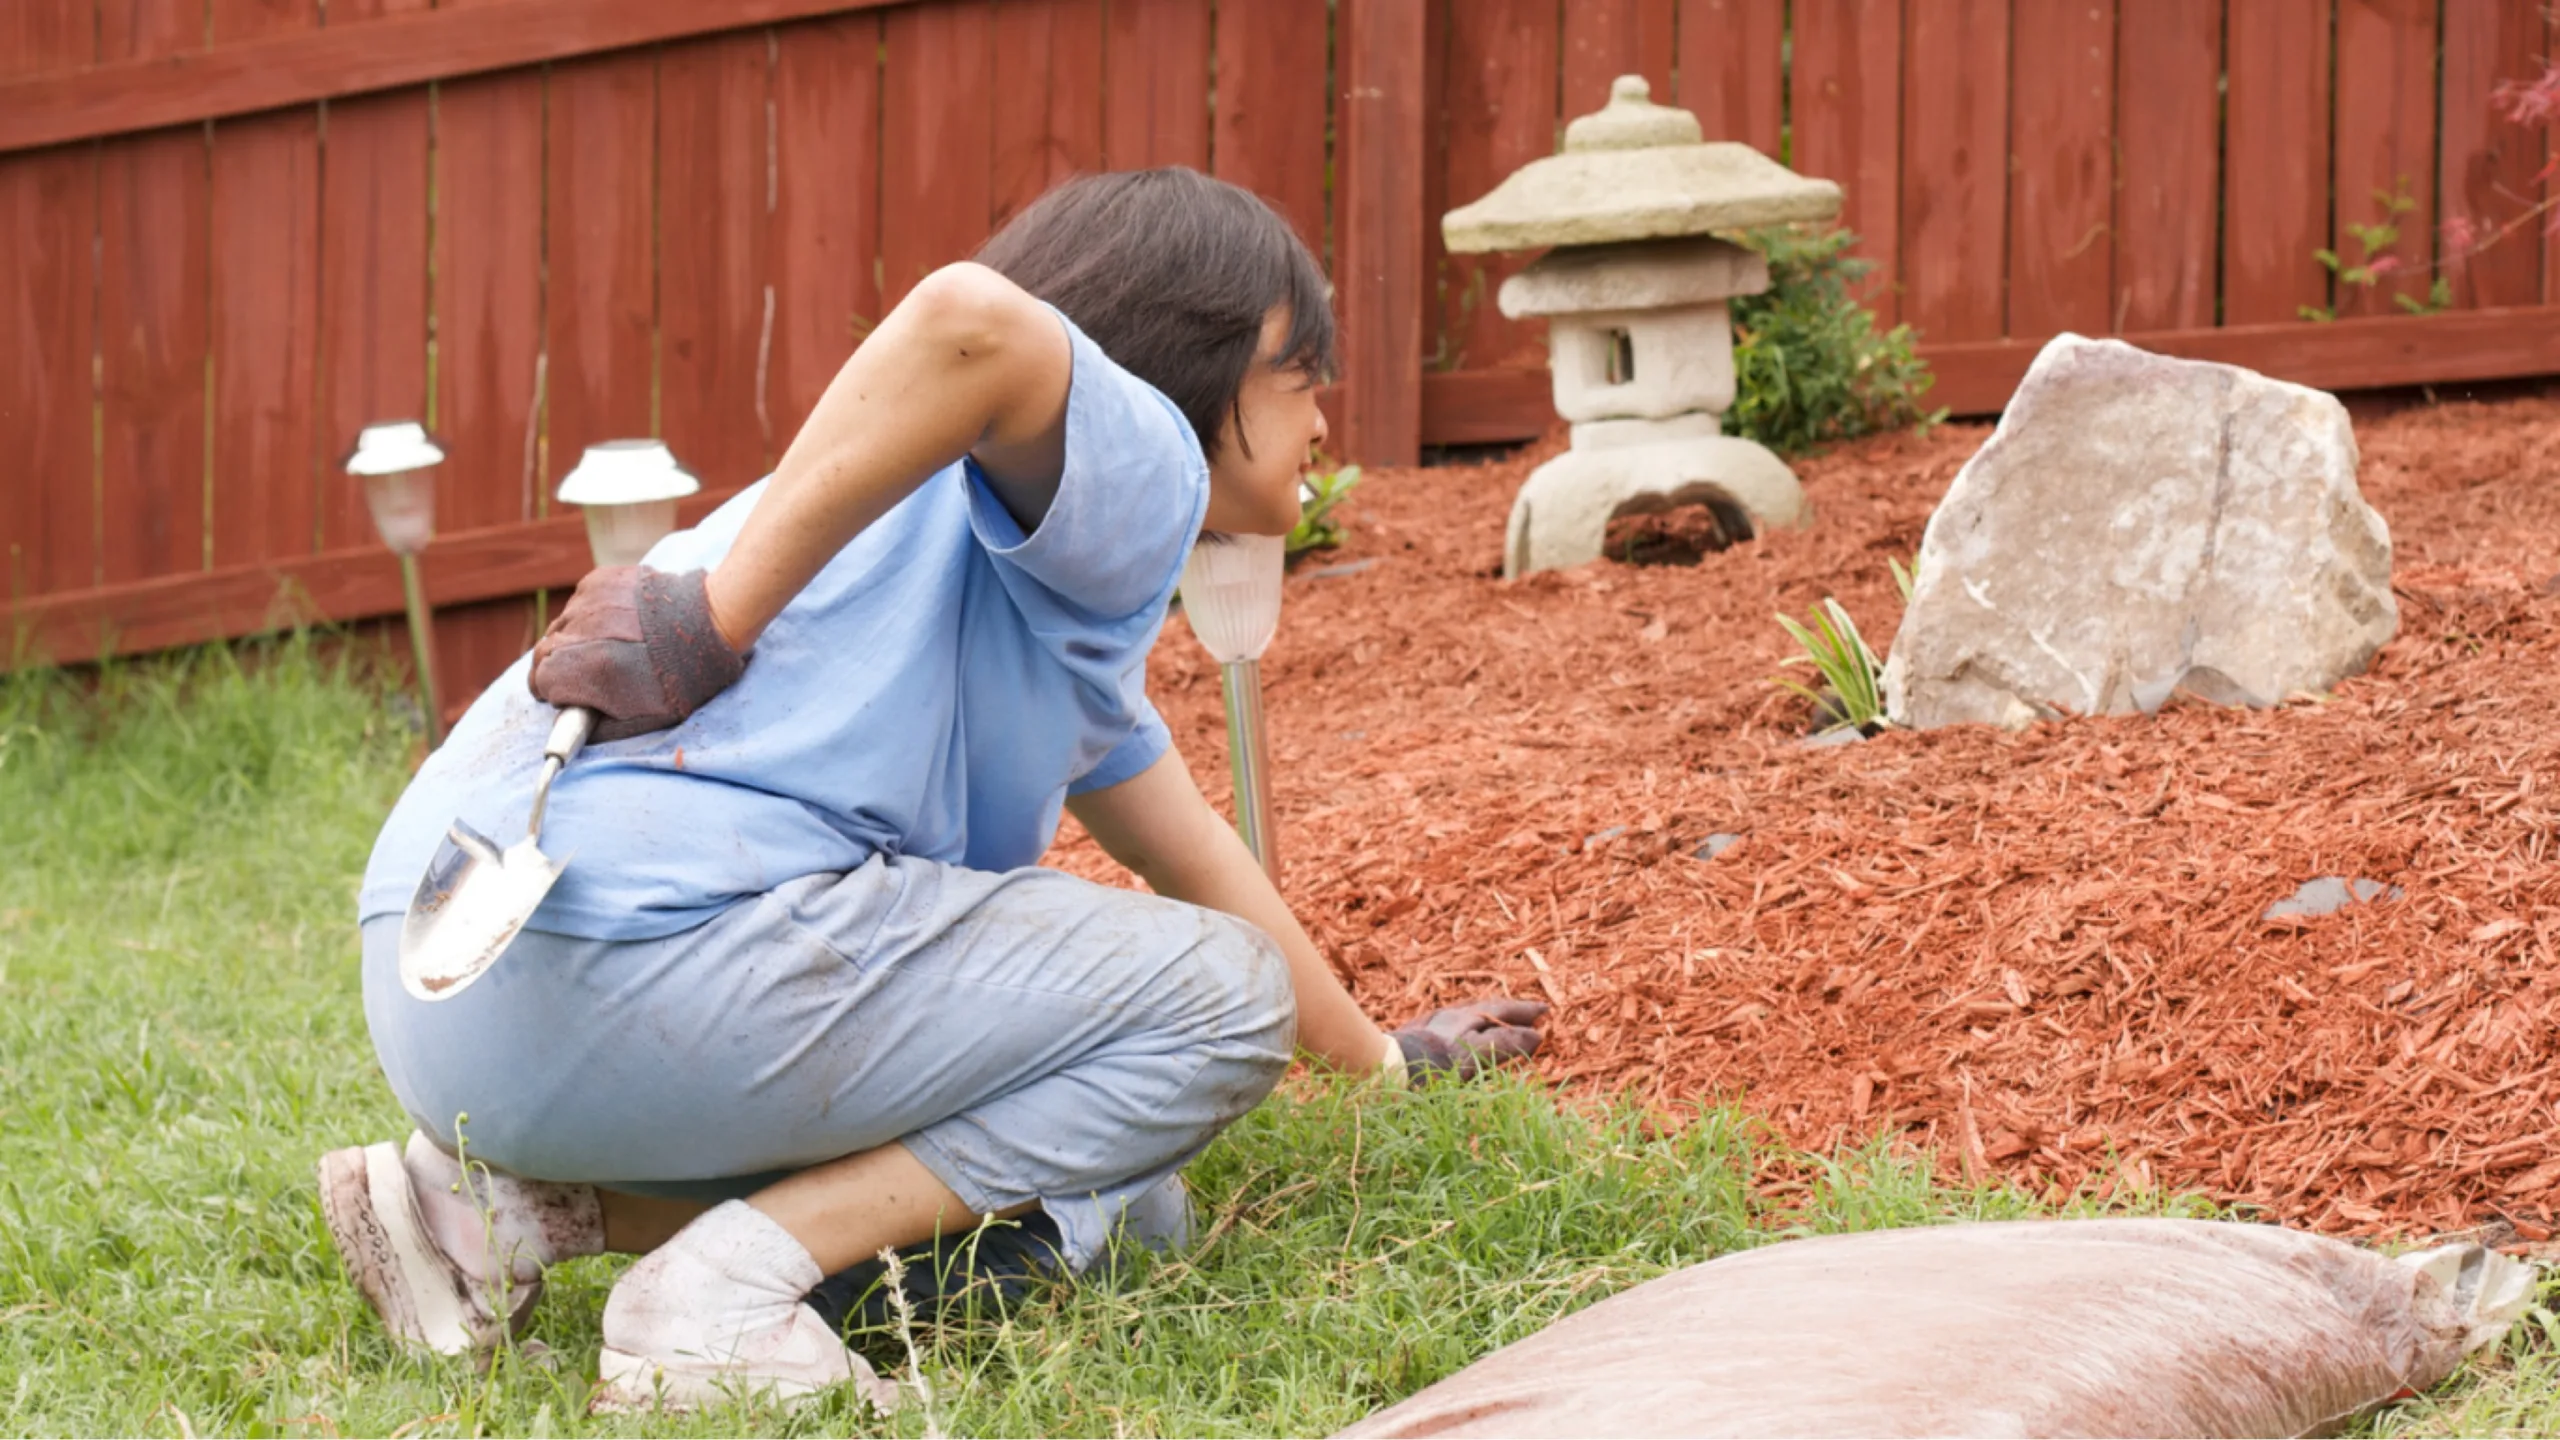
x: 638, y: 647
x: 1465, y: 1040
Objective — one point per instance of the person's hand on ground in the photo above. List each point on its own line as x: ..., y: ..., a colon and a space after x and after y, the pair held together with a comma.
x: 1465, y: 1040
x: 638, y: 647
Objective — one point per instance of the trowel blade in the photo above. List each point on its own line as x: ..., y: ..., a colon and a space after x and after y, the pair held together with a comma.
x: 469, y: 906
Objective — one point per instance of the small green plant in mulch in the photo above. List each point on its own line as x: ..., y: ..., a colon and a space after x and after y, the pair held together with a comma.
x: 1810, y: 365
x: 1318, y: 528
x: 1852, y: 693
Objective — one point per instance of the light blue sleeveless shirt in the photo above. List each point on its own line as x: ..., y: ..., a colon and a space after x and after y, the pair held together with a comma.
x: 937, y: 690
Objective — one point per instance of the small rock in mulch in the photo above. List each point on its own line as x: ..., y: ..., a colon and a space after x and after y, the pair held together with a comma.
x: 2330, y: 894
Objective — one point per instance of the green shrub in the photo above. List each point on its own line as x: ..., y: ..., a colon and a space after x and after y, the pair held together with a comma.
x: 1811, y: 366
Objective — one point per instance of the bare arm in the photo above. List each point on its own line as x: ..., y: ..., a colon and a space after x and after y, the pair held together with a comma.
x: 1157, y: 824
x: 967, y: 364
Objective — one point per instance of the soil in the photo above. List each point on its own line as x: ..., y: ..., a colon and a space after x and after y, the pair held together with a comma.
x: 2040, y: 956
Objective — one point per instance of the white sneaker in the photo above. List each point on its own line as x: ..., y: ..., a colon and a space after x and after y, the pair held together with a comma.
x: 715, y: 1314
x: 424, y: 1296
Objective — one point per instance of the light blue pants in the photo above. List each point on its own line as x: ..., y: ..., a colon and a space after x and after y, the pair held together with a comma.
x: 1027, y: 1035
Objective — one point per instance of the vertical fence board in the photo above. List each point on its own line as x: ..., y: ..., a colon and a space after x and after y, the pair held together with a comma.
x: 1379, y: 256
x: 2169, y: 76
x: 263, y: 326
x: 1018, y: 117
x: 490, y: 311
x: 713, y: 194
x: 1733, y: 70
x: 1847, y: 126
x: 935, y: 189
x: 1271, y: 107
x: 46, y: 37
x: 2062, y: 176
x: 153, y: 268
x: 2275, y: 200
x: 48, y: 206
x: 1436, y: 25
x: 1047, y: 117
x: 1076, y: 88
x: 1155, y: 107
x: 601, y: 209
x: 1604, y: 39
x: 2386, y: 133
x: 2488, y: 162
x: 373, y: 276
x: 1955, y: 167
x: 2551, y: 178
x: 48, y: 218
x: 373, y: 287
x: 1501, y: 114
x: 826, y: 220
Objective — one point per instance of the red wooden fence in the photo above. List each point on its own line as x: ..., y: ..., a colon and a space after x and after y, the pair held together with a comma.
x: 231, y: 231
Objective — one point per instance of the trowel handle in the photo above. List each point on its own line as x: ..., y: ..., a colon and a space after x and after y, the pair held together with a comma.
x: 569, y: 734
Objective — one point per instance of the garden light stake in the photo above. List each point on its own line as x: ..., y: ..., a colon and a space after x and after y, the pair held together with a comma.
x: 393, y: 460
x: 1231, y: 591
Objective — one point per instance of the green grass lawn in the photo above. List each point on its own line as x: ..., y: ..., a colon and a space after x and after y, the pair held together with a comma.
x: 180, y: 1037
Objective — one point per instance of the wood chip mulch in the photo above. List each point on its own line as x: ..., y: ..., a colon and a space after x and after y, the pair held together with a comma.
x: 2043, y: 956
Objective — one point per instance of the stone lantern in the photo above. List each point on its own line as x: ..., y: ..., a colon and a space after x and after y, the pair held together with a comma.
x: 1639, y: 342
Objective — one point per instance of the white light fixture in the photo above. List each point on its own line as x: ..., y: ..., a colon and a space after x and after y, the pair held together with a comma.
x: 393, y: 460
x: 1231, y: 595
x: 629, y: 489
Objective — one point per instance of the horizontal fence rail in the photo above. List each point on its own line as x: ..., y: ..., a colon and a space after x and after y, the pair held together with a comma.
x: 234, y: 231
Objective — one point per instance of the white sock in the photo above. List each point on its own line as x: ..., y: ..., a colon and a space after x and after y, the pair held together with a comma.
x: 727, y: 1279
x: 501, y: 1220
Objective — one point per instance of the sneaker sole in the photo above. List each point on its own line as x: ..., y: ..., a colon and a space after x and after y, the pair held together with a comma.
x: 383, y: 1242
x: 629, y: 1384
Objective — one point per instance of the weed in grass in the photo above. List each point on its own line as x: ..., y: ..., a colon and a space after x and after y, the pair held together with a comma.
x: 181, y: 1036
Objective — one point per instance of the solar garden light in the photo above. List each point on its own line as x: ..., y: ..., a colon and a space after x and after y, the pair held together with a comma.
x: 1231, y: 591
x: 393, y: 460
x: 629, y: 489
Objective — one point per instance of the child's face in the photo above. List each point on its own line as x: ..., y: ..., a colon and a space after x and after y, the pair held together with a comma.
x: 1266, y: 443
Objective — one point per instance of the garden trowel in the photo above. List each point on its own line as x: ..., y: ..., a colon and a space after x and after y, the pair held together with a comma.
x: 475, y: 897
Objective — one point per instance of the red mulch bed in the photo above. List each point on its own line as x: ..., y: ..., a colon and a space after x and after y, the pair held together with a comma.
x: 2041, y: 955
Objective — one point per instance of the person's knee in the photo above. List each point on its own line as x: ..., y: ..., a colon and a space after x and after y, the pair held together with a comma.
x: 1256, y: 1024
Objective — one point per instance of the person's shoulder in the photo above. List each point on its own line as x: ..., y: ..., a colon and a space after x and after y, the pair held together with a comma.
x: 1120, y: 408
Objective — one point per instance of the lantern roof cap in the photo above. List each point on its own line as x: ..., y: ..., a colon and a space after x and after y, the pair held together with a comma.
x: 626, y: 472
x: 392, y: 448
x: 1635, y: 170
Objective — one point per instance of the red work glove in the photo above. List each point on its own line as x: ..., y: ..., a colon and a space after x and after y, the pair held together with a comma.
x: 638, y: 647
x: 1464, y: 1040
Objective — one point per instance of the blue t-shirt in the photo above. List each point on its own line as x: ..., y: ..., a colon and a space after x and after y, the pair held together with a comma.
x: 937, y: 691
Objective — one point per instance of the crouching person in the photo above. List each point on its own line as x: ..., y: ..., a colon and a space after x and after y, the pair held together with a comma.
x: 802, y: 996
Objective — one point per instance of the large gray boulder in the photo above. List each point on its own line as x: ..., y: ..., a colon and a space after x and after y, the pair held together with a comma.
x: 2140, y: 526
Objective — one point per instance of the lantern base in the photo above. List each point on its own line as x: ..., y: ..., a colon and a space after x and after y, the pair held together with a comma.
x: 622, y: 534
x: 1562, y: 515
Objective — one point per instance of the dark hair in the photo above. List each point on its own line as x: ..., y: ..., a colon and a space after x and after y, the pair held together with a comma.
x: 1171, y: 273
